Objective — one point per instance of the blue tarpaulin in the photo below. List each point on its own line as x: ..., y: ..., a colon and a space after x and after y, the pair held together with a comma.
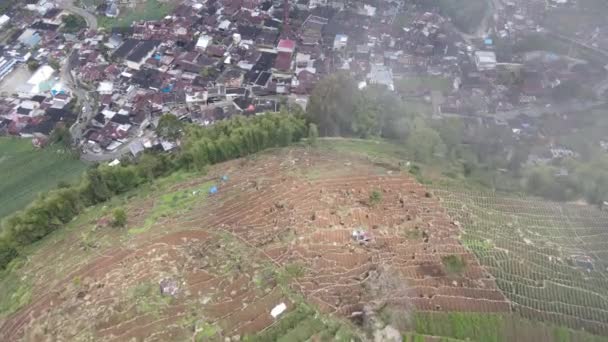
x: 488, y: 41
x: 157, y: 57
x: 213, y: 190
x: 167, y: 89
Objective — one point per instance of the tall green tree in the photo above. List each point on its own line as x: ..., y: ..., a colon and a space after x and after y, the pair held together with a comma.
x: 169, y: 127
x: 313, y: 134
x: 424, y: 142
x: 61, y: 136
x: 332, y: 104
x: 73, y: 23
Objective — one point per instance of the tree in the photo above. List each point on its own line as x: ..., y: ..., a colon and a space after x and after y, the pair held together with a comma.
x: 208, y: 72
x: 332, y: 104
x: 451, y: 131
x: 61, y: 136
x: 510, y: 78
x: 201, y: 146
x: 169, y: 127
x: 424, y: 142
x: 53, y: 63
x: 518, y: 158
x: 119, y: 218
x: 7, y: 252
x: 73, y: 23
x: 364, y: 122
x: 33, y: 65
x: 453, y: 264
x: 313, y: 134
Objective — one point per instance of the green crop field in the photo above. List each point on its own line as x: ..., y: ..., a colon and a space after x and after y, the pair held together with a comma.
x: 550, y: 259
x: 149, y: 10
x: 488, y: 327
x: 25, y: 172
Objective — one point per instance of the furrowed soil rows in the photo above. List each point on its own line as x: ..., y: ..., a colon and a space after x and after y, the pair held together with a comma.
x: 286, y: 217
x: 548, y: 258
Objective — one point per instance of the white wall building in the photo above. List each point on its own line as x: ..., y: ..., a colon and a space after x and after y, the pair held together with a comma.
x: 4, y: 20
x: 203, y: 42
x: 485, y: 60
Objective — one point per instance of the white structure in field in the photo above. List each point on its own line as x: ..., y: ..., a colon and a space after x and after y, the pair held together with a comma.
x: 277, y: 310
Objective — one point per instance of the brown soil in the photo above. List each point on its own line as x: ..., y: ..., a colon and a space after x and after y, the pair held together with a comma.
x: 272, y: 211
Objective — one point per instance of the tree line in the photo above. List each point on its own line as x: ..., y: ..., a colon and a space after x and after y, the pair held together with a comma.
x: 201, y: 146
x: 339, y: 108
x: 488, y: 155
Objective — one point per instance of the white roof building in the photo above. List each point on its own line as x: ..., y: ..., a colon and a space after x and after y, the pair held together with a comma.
x: 4, y: 19
x: 105, y: 88
x: 380, y: 74
x: 203, y: 42
x: 340, y: 41
x: 485, y: 60
x: 39, y: 82
x: 224, y: 25
x: 43, y: 73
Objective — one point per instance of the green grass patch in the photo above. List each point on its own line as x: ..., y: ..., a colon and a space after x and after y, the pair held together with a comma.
x: 148, y: 299
x: 372, y: 148
x: 301, y: 324
x: 417, y: 83
x: 149, y: 10
x: 16, y: 290
x: 478, y: 245
x: 453, y: 264
x: 206, y: 332
x: 174, y: 202
x: 485, y: 327
x: 413, y: 337
x: 27, y: 171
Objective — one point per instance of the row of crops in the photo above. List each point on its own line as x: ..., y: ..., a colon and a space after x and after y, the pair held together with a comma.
x: 549, y: 259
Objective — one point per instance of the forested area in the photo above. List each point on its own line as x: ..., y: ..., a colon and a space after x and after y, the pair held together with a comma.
x: 485, y: 155
x: 201, y: 146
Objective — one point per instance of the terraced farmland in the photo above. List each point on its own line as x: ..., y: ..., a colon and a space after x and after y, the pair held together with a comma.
x: 280, y: 230
x: 337, y: 241
x: 550, y: 259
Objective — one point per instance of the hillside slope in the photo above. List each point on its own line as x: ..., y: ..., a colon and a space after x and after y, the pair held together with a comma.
x: 195, y: 264
x: 292, y: 210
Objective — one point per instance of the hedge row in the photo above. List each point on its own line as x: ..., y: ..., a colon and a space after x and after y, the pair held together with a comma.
x: 201, y: 146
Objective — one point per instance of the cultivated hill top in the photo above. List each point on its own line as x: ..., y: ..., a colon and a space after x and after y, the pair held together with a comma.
x: 342, y: 234
x: 306, y: 243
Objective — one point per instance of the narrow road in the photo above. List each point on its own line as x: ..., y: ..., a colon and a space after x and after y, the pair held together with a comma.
x: 68, y: 5
x: 484, y: 25
x: 66, y: 72
x: 106, y: 156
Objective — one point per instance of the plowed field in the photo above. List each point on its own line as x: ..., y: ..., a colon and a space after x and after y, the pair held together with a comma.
x: 288, y: 212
